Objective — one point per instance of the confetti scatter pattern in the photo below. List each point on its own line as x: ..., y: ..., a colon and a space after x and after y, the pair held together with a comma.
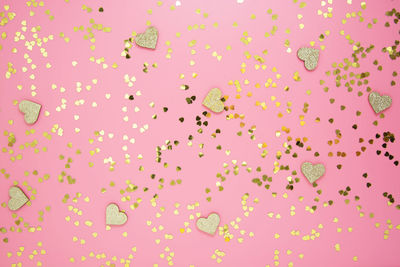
x: 123, y: 124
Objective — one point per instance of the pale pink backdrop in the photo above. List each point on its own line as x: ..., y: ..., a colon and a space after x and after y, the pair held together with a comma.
x: 272, y: 244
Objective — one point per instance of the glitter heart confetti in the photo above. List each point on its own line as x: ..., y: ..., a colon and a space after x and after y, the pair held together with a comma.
x: 17, y: 198
x: 312, y: 171
x: 310, y: 57
x: 31, y: 110
x: 155, y: 113
x: 213, y: 100
x: 114, y: 216
x: 208, y: 225
x: 379, y: 103
x: 148, y: 39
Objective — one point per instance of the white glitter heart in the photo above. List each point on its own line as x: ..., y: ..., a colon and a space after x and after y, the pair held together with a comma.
x: 312, y: 171
x: 208, y: 225
x: 114, y: 216
x: 379, y: 102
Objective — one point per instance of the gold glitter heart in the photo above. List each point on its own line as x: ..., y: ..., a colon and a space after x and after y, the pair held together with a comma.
x: 114, y: 216
x: 148, y: 39
x: 310, y: 57
x: 208, y: 225
x: 312, y: 172
x: 379, y: 103
x: 31, y: 110
x: 17, y: 198
x: 213, y: 100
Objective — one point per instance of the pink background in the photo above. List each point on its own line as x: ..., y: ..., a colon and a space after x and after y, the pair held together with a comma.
x: 161, y: 85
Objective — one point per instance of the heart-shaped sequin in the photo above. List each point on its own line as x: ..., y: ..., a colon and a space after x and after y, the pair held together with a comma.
x: 31, y: 110
x: 312, y: 172
x: 148, y: 39
x: 310, y: 57
x: 213, y: 100
x: 17, y: 198
x: 208, y: 225
x: 379, y: 102
x: 114, y: 216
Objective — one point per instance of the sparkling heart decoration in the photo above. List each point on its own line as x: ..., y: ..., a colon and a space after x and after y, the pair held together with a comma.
x: 114, y: 216
x: 310, y: 57
x: 379, y: 102
x: 213, y: 100
x: 17, y: 198
x: 31, y: 110
x: 208, y: 225
x: 312, y: 172
x: 148, y: 39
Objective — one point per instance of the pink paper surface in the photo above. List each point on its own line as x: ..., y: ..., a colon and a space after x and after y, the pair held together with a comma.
x: 88, y: 128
